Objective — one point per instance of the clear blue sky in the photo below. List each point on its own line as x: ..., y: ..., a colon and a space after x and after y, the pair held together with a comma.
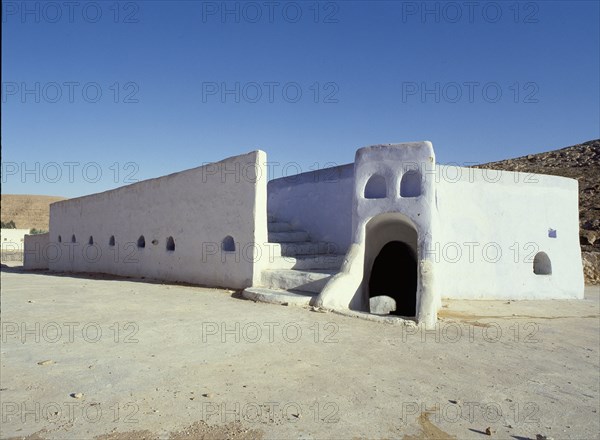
x: 379, y: 72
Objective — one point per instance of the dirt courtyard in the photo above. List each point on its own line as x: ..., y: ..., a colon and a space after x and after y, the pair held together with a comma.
x: 95, y: 357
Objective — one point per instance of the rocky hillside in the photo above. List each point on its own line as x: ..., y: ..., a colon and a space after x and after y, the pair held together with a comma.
x: 27, y: 211
x: 581, y: 162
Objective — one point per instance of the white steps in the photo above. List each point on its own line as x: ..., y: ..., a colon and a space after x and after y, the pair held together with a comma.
x: 283, y: 297
x: 306, y: 281
x: 279, y: 227
x: 303, y: 248
x: 288, y: 237
x: 298, y: 268
x: 307, y: 262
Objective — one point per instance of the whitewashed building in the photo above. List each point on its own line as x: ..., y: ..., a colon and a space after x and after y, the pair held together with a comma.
x: 392, y: 232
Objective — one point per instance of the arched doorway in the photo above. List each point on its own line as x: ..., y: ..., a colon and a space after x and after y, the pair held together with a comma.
x: 391, y: 267
x: 394, y: 274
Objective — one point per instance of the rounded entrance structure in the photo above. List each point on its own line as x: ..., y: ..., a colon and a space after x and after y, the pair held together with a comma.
x: 391, y: 257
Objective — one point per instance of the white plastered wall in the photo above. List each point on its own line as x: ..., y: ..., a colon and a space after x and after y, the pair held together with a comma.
x: 198, y: 208
x: 35, y: 255
x: 492, y: 224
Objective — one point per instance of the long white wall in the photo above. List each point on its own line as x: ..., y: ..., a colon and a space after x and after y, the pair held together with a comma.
x: 491, y: 226
x: 319, y: 202
x: 198, y: 208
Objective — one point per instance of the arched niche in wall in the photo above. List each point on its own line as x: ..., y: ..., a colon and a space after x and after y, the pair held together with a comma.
x: 228, y: 244
x: 410, y: 185
x: 376, y: 187
x: 170, y: 244
x: 542, y: 264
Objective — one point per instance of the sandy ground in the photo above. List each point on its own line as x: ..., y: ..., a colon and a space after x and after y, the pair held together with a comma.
x: 162, y: 361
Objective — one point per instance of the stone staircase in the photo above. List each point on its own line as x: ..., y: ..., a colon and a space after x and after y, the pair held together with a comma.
x: 298, y: 268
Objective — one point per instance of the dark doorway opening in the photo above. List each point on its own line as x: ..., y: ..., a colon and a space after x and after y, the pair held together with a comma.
x: 394, y: 274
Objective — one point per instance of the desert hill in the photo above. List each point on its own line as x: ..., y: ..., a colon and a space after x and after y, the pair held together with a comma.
x: 27, y: 211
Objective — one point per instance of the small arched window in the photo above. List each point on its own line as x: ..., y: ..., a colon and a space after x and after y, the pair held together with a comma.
x: 59, y: 239
x: 170, y: 244
x: 542, y: 264
x: 228, y: 245
x: 73, y: 239
x: 91, y: 240
x: 111, y: 240
x: 376, y: 187
x: 141, y: 242
x: 410, y: 185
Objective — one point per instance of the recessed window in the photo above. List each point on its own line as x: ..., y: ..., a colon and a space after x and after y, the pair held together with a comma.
x: 410, y: 186
x: 170, y: 244
x: 111, y: 240
x: 59, y: 239
x: 141, y: 242
x: 376, y: 187
x: 542, y: 264
x: 73, y: 239
x: 228, y: 244
x: 91, y: 240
